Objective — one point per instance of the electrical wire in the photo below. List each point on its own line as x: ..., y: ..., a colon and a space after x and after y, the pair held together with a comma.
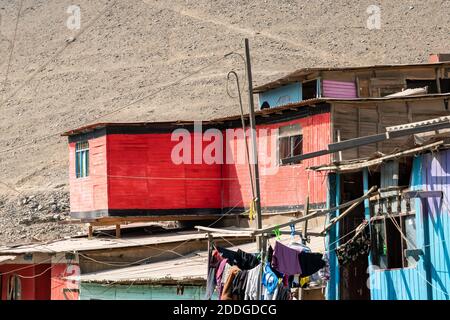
x: 60, y: 51
x: 152, y: 94
x: 13, y: 45
x: 26, y: 267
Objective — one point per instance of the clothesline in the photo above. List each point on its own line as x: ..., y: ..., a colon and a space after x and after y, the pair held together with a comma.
x: 313, y: 214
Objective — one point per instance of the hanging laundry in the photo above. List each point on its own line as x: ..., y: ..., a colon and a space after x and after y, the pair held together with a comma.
x: 227, y: 293
x: 282, y: 292
x: 214, y: 262
x: 324, y: 273
x: 239, y: 285
x: 285, y: 260
x: 269, y: 259
x: 219, y: 274
x: 210, y: 283
x: 299, y: 247
x: 244, y: 260
x: 310, y: 263
x: 225, y: 273
x: 269, y: 281
x: 253, y: 281
x: 358, y: 245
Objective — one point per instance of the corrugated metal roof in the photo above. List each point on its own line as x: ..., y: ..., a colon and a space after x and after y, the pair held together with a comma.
x: 419, y: 124
x: 84, y: 244
x: 301, y: 73
x: 7, y: 258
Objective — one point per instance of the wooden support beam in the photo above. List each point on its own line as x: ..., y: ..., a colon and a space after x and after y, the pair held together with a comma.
x: 90, y: 232
x: 369, y: 163
x: 341, y: 216
x: 248, y: 232
x: 305, y: 227
x: 118, y: 236
x: 438, y: 80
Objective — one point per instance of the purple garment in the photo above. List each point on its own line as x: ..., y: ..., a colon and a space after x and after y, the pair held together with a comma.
x: 219, y: 274
x: 285, y: 260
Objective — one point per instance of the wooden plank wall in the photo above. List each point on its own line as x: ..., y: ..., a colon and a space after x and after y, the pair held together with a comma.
x: 89, y: 193
x: 142, y: 175
x: 356, y: 120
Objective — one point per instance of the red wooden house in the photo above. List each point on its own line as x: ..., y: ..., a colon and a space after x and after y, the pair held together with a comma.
x: 127, y: 169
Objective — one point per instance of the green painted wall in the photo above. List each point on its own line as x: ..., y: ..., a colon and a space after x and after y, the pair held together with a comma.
x: 90, y: 291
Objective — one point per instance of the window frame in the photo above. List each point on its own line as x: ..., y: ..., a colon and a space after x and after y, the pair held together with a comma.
x: 404, y: 259
x: 82, y: 159
x: 290, y: 138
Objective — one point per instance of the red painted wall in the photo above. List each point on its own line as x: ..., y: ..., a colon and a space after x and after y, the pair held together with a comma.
x: 41, y: 281
x: 33, y: 287
x: 289, y: 186
x: 89, y: 193
x: 142, y: 175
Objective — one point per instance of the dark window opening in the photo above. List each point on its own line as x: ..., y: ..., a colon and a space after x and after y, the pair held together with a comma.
x: 82, y: 159
x: 405, y: 169
x: 309, y: 90
x: 392, y: 237
x: 290, y: 142
x: 414, y: 84
x: 445, y: 85
x: 14, y: 288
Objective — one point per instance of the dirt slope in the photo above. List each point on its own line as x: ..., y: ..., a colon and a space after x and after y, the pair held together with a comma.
x: 139, y: 46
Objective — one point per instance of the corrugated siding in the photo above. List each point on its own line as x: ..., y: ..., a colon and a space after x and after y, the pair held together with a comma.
x: 142, y: 175
x: 283, y: 95
x: 339, y: 89
x: 89, y: 291
x: 430, y: 172
x: 436, y: 176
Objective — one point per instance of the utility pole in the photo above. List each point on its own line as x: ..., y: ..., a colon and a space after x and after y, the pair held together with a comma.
x: 254, y: 143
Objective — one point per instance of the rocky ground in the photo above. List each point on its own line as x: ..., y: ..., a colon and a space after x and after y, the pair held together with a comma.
x: 138, y: 47
x: 36, y: 217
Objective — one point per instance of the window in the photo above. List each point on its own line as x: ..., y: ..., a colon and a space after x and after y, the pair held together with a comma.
x: 431, y: 84
x: 389, y: 247
x: 14, y: 288
x: 309, y: 89
x: 82, y: 159
x: 290, y: 142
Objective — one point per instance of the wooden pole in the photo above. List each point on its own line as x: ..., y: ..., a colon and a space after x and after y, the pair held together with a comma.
x: 209, y: 259
x: 254, y: 142
x: 90, y: 231
x: 118, y: 231
x: 305, y: 230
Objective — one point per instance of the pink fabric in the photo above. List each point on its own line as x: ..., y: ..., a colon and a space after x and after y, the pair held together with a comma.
x: 219, y: 273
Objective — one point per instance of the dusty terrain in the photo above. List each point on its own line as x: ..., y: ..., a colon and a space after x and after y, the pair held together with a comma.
x: 138, y: 47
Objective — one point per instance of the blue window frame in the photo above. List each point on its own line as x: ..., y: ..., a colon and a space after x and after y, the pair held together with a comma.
x: 82, y: 159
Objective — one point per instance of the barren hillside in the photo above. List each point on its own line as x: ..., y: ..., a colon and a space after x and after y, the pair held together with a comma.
x: 134, y: 49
